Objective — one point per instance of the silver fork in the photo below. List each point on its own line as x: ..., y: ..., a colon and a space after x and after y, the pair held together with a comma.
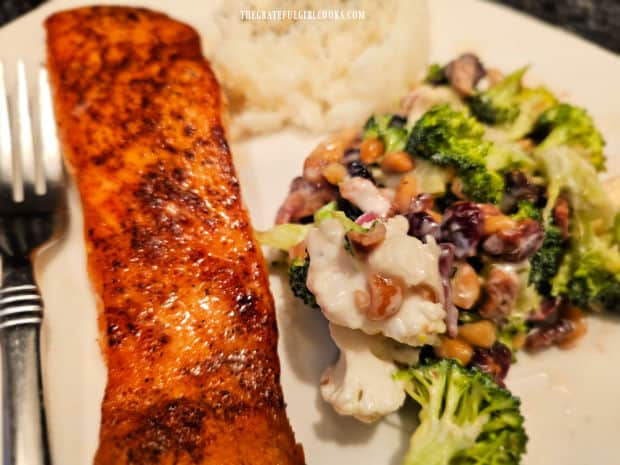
x: 31, y: 206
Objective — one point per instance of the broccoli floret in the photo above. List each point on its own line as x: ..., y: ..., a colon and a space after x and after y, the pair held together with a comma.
x: 436, y: 75
x: 527, y: 209
x: 570, y: 126
x: 546, y: 262
x: 589, y: 275
x: 451, y: 138
x: 499, y: 103
x: 298, y: 275
x: 483, y: 186
x: 593, y: 285
x: 390, y: 129
x: 465, y: 418
x: 442, y: 129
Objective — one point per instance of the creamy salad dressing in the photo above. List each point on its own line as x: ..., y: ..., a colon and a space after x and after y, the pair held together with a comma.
x: 399, y: 252
x: 334, y: 275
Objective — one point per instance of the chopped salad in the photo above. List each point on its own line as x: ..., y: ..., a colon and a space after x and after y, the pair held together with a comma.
x: 440, y: 241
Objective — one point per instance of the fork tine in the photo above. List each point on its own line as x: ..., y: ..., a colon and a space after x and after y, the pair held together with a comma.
x: 50, y: 151
x: 6, y: 167
x: 23, y: 160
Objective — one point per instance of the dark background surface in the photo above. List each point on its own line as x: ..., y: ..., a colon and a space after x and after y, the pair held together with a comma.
x: 597, y: 20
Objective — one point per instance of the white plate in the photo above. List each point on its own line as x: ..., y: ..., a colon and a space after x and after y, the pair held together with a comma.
x: 569, y: 397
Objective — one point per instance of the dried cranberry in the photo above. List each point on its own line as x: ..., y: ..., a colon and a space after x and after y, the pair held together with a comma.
x: 464, y: 72
x: 356, y: 169
x: 502, y: 289
x: 462, y: 226
x: 494, y: 361
x: 515, y: 244
x: 422, y: 224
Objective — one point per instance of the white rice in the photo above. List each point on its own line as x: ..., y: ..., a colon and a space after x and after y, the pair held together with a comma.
x: 318, y: 75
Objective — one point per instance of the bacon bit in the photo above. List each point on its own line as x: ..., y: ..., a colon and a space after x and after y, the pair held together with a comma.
x: 304, y: 199
x: 370, y: 238
x: 386, y: 297
x: 502, y: 289
x: 365, y: 195
x: 464, y: 72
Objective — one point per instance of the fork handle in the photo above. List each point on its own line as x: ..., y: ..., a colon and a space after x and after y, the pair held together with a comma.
x: 24, y: 426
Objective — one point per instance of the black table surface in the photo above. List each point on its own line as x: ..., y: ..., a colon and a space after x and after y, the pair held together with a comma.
x: 596, y: 20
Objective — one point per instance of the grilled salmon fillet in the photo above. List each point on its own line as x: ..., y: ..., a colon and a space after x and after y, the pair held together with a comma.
x: 187, y: 322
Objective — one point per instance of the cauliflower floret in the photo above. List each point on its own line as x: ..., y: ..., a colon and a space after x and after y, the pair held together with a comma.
x: 334, y: 275
x: 405, y: 257
x: 361, y: 384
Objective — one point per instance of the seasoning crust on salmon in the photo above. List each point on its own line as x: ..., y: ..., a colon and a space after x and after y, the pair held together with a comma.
x: 187, y: 322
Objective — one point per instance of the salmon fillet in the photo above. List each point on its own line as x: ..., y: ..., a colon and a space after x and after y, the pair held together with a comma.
x: 187, y: 322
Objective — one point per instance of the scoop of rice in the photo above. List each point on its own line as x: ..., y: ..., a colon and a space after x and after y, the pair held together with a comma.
x: 320, y: 75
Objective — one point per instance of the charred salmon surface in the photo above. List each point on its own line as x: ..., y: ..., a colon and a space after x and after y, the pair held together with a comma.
x: 187, y: 322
